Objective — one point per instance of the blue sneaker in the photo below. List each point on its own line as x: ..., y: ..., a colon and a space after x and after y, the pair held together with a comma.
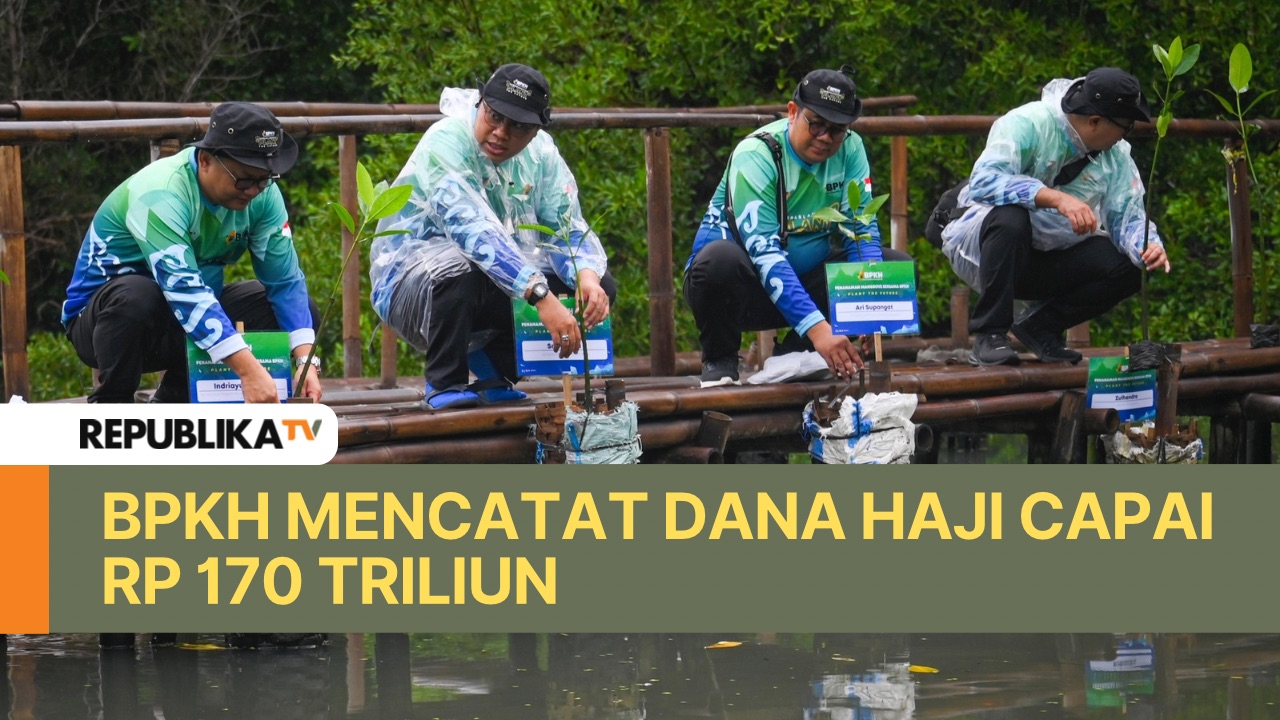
x: 499, y: 394
x: 490, y: 385
x: 449, y: 399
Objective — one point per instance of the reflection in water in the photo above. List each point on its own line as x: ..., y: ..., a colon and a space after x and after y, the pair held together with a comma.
x: 1131, y: 672
x: 888, y: 693
x: 651, y: 677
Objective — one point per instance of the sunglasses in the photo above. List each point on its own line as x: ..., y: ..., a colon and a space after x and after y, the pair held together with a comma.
x: 246, y: 183
x: 497, y: 119
x: 819, y: 128
x: 1127, y: 128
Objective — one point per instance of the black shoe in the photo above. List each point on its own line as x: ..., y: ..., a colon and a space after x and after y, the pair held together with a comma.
x: 992, y: 349
x: 794, y: 342
x: 1047, y: 345
x: 723, y: 371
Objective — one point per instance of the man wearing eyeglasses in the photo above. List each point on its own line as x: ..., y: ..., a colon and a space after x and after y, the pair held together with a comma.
x: 446, y: 285
x: 150, y: 270
x: 1053, y: 213
x: 751, y: 268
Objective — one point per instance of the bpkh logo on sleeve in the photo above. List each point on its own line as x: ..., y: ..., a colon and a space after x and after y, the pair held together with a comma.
x: 72, y: 434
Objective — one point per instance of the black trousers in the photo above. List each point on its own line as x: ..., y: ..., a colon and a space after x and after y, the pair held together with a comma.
x: 1078, y: 283
x: 727, y: 299
x: 128, y: 329
x: 469, y: 303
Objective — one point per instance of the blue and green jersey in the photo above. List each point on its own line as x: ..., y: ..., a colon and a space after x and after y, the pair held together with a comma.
x: 158, y: 223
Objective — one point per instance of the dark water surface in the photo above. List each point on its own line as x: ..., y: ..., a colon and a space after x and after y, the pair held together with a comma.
x: 631, y: 677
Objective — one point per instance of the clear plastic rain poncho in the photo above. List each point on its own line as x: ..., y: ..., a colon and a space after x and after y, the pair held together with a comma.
x: 465, y: 213
x: 1025, y: 150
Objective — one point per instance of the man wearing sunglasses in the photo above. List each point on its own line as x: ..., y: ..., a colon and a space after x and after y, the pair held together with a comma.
x: 753, y: 269
x: 1053, y: 213
x: 150, y: 271
x: 446, y: 285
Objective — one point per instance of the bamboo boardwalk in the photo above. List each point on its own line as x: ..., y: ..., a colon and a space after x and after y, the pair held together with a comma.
x: 1236, y: 387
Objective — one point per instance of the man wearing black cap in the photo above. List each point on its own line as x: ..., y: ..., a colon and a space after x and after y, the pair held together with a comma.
x: 751, y: 271
x: 1053, y: 213
x: 150, y: 270
x: 446, y: 285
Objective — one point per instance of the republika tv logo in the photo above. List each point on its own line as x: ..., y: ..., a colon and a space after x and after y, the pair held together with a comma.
x: 71, y: 434
x: 187, y: 433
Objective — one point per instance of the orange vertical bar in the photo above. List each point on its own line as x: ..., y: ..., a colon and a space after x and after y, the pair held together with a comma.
x: 24, y: 549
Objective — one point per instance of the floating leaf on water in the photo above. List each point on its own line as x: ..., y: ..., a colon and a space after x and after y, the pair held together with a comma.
x: 922, y: 669
x: 723, y: 644
x: 199, y: 646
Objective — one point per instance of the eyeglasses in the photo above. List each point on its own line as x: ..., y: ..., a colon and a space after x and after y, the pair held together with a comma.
x: 1126, y: 128
x: 819, y: 128
x: 497, y: 119
x: 246, y: 183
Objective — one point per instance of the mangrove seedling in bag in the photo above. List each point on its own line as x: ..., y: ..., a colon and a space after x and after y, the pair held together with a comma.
x: 1174, y: 61
x: 375, y: 203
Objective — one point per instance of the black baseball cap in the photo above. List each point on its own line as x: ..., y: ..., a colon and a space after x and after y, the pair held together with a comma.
x: 1109, y: 92
x: 520, y: 93
x: 251, y: 135
x: 831, y: 94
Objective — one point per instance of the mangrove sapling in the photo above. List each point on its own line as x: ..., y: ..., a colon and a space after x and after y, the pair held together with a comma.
x: 375, y: 203
x: 837, y: 220
x: 1239, y: 73
x: 580, y: 303
x: 1174, y: 62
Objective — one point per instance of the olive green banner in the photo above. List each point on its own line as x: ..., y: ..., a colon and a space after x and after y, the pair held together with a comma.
x: 664, y: 549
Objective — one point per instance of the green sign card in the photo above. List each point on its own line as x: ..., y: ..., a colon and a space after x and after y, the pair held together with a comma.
x: 1112, y: 385
x: 535, y: 353
x: 211, y: 381
x: 873, y: 297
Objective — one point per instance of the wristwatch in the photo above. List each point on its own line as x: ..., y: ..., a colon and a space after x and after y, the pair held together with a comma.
x: 537, y: 292
x: 300, y: 361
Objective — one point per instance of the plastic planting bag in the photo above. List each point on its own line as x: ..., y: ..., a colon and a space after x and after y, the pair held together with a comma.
x: 876, y: 430
x: 1123, y: 450
x: 599, y: 439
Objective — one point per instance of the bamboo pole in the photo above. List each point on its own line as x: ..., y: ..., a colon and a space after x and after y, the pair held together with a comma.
x: 662, y: 313
x: 13, y: 261
x: 898, y: 183
x: 22, y: 132
x: 960, y: 316
x: 110, y: 110
x: 1261, y: 407
x: 388, y: 358
x: 1167, y: 376
x: 352, y: 344
x: 1238, y: 185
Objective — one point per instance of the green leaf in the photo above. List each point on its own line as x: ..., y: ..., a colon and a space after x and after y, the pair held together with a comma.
x: 390, y: 202
x: 4, y: 278
x: 400, y: 231
x: 1162, y: 123
x: 344, y: 217
x: 1241, y: 69
x: 1162, y: 55
x: 873, y: 207
x: 1175, y: 52
x: 1231, y: 109
x: 830, y: 214
x: 1189, y: 59
x: 540, y: 228
x: 364, y: 187
x: 1256, y: 100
